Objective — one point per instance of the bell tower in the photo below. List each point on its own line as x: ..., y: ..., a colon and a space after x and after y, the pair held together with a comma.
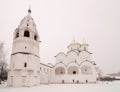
x: 24, y: 64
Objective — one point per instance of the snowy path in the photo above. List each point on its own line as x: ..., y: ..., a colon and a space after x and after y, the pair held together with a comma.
x: 110, y: 87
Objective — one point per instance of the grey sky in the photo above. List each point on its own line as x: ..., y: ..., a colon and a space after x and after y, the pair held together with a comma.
x: 58, y: 21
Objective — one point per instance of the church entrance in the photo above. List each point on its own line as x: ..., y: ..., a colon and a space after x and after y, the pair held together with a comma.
x: 77, y: 81
x: 74, y: 72
x: 63, y: 81
x: 86, y: 81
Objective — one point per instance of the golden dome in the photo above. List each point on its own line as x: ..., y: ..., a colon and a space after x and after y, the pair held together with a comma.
x: 74, y: 43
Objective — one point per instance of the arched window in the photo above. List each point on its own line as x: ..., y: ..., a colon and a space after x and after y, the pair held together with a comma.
x: 17, y: 34
x: 25, y: 64
x: 86, y: 69
x: 73, y: 70
x: 35, y: 37
x: 60, y: 70
x: 26, y: 33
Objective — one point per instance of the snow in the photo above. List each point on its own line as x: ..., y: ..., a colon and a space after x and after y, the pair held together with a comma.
x: 99, y: 87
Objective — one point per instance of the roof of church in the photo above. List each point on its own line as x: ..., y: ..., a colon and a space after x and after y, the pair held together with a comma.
x: 74, y: 43
x: 28, y: 22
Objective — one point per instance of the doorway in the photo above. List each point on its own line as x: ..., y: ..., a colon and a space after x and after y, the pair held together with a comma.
x: 77, y: 81
x: 63, y: 81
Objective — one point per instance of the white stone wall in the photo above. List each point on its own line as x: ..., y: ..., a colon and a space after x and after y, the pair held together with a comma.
x: 23, y: 78
x: 45, y: 71
x: 24, y: 65
x: 18, y: 72
x: 24, y: 44
x: 73, y: 56
x: 74, y: 78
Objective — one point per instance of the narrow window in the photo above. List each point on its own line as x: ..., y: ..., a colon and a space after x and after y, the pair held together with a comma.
x: 25, y: 47
x: 35, y: 37
x: 85, y: 69
x: 26, y: 33
x: 74, y: 72
x: 17, y: 34
x: 25, y: 64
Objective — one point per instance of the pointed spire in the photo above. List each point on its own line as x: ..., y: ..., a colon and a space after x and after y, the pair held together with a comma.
x: 74, y: 42
x: 84, y: 43
x: 29, y: 10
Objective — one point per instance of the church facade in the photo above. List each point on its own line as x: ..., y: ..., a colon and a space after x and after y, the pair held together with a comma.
x: 26, y: 70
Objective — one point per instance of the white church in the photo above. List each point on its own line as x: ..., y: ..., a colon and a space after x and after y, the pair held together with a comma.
x: 25, y: 70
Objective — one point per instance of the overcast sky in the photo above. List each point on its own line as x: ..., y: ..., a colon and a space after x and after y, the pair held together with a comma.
x: 58, y: 21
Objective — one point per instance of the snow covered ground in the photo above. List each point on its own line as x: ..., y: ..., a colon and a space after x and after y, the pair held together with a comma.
x: 99, y: 87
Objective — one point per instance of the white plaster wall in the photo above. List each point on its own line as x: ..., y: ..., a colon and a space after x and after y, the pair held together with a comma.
x: 18, y: 71
x: 25, y: 44
x: 44, y: 74
x: 60, y: 57
x: 68, y: 78
x: 90, y: 77
x: 18, y: 61
x: 56, y: 78
x: 72, y: 54
x: 19, y: 78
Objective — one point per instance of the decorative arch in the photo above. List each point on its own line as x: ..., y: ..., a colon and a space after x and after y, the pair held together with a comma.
x: 26, y: 33
x: 61, y: 55
x: 73, y: 70
x: 60, y: 64
x: 72, y: 54
x: 60, y: 70
x: 86, y: 69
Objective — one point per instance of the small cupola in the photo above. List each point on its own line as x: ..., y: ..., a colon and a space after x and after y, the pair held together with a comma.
x: 84, y: 45
x: 74, y: 45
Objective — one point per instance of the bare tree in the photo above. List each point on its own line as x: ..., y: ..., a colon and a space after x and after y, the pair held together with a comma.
x: 3, y: 63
